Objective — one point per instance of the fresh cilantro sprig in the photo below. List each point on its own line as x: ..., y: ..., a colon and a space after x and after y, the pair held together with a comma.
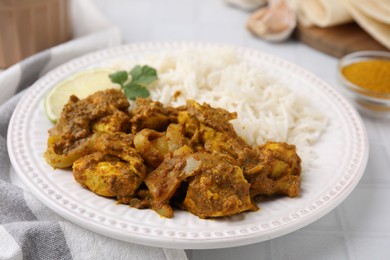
x: 141, y: 78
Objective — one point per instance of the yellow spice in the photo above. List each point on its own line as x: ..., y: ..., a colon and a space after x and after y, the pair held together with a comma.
x: 373, y: 75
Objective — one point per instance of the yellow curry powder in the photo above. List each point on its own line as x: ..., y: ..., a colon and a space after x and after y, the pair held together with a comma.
x: 373, y: 75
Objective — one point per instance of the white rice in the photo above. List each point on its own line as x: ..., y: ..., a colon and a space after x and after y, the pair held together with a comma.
x: 267, y: 109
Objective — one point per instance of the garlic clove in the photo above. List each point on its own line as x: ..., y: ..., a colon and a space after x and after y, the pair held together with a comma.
x: 276, y: 22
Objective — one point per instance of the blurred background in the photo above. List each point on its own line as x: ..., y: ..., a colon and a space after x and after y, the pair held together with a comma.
x: 330, y: 26
x: 302, y: 31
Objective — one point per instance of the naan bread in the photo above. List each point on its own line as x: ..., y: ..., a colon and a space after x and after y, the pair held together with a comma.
x: 321, y: 13
x: 372, y: 15
x: 370, y: 22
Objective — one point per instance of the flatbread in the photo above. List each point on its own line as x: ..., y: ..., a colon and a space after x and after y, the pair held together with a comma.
x: 321, y: 13
x: 372, y: 15
x: 379, y: 30
x: 376, y: 9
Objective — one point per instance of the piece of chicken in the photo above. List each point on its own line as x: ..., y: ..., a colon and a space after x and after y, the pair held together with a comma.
x: 165, y: 180
x: 118, y: 121
x: 219, y: 189
x: 71, y: 137
x: 108, y: 176
x: 211, y: 130
x: 152, y: 115
x: 118, y: 144
x: 115, y: 169
x: 273, y: 169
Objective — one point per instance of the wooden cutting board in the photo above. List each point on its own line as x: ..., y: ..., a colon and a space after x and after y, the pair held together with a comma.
x: 338, y: 40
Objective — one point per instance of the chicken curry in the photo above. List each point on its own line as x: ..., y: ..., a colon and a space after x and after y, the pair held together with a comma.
x: 158, y: 157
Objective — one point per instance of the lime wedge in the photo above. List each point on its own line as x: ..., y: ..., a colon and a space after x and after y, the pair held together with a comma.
x: 81, y: 85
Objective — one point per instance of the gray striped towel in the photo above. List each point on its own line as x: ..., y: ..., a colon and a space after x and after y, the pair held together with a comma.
x: 28, y: 229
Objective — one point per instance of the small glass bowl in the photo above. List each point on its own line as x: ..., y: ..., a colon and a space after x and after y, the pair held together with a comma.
x: 368, y: 102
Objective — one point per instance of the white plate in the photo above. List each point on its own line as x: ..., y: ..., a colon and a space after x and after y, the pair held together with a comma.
x: 342, y: 157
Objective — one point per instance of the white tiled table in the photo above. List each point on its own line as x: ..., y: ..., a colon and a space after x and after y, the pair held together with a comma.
x: 357, y: 229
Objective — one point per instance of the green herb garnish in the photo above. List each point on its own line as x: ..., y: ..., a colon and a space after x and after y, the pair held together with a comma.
x: 141, y: 78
